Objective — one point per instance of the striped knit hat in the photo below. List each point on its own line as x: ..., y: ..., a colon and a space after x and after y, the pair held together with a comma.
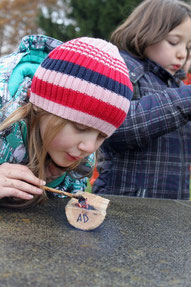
x: 84, y: 80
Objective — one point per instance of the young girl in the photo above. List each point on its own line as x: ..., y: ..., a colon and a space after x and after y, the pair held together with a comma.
x: 150, y: 155
x: 79, y: 95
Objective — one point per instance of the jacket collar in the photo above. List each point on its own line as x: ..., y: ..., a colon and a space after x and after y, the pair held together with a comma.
x: 138, y: 67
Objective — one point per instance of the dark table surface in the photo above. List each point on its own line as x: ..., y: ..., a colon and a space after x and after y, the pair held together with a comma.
x: 142, y: 242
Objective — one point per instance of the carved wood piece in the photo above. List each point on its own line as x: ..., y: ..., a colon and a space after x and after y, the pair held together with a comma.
x: 87, y: 219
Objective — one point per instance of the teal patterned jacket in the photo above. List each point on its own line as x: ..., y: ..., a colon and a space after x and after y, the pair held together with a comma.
x: 16, y: 72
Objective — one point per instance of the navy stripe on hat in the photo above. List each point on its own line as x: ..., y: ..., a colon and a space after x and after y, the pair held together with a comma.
x: 85, y: 74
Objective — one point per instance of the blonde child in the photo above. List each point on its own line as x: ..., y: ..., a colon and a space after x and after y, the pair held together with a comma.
x: 150, y: 154
x: 79, y: 95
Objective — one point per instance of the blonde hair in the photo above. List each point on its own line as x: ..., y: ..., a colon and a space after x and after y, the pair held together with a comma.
x: 149, y: 24
x: 37, y: 148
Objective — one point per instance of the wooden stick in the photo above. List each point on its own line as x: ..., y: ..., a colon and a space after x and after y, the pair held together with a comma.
x: 77, y: 196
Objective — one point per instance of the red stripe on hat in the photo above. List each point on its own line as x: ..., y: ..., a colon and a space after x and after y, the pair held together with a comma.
x: 78, y: 101
x: 94, y: 51
x: 93, y: 64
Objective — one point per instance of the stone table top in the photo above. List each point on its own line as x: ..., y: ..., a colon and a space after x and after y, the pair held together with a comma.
x: 142, y: 242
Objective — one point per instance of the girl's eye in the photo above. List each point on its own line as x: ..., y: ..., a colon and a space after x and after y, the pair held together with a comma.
x: 173, y: 40
x: 173, y: 43
x: 80, y: 127
x: 83, y: 128
x: 102, y: 136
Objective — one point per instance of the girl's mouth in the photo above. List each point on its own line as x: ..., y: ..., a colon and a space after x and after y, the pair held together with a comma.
x: 176, y: 67
x: 71, y: 158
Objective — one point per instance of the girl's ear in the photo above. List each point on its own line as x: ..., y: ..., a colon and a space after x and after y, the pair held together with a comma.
x: 35, y: 108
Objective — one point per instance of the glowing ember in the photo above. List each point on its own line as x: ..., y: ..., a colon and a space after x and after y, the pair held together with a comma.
x: 82, y: 202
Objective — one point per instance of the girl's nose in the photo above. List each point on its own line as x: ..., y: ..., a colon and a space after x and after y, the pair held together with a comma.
x: 88, y: 143
x: 182, y: 54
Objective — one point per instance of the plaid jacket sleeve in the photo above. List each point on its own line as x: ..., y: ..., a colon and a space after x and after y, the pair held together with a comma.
x: 154, y: 115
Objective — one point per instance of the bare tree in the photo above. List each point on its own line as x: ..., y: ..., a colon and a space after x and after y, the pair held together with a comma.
x: 17, y: 19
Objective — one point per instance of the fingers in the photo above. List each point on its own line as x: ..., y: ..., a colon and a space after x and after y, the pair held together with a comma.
x: 22, y: 172
x: 14, y: 187
x: 18, y: 181
x: 11, y: 192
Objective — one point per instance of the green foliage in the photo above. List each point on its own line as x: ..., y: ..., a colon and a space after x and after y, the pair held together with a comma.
x: 55, y: 30
x: 94, y: 18
x: 98, y: 18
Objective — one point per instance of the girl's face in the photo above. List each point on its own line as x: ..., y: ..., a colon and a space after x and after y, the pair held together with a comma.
x: 73, y: 143
x: 171, y: 52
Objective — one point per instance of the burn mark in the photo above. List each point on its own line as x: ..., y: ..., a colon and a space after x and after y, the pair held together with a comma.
x: 82, y: 203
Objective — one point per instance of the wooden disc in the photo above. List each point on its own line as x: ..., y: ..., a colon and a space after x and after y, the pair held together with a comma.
x: 87, y: 219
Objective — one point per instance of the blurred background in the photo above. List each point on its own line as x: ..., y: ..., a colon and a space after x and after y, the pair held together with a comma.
x: 61, y: 19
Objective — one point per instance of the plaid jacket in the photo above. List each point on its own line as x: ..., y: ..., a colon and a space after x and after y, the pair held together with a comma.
x: 150, y: 154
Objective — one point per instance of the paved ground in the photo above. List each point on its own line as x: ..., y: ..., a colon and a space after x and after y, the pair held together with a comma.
x: 142, y: 242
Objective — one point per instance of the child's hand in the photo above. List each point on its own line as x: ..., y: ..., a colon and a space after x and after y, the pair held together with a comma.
x: 18, y: 181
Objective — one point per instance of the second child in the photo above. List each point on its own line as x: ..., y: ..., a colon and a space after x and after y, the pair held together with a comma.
x: 150, y: 154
